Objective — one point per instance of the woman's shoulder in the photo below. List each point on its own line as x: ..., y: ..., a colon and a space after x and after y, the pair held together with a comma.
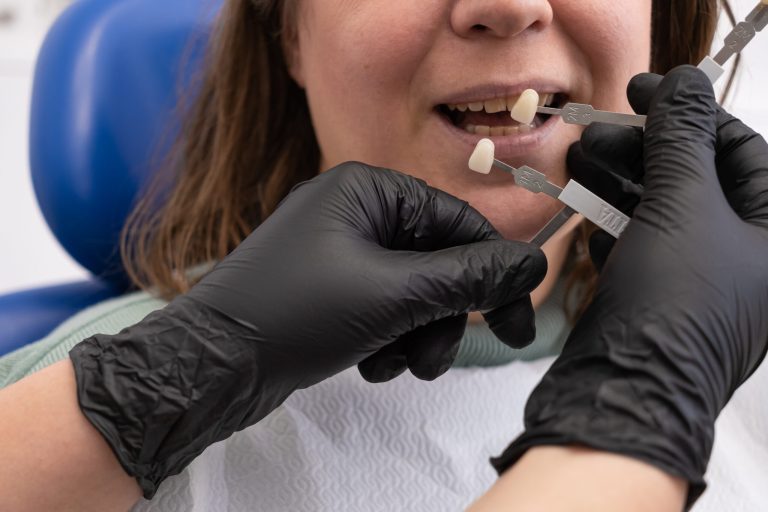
x: 107, y: 317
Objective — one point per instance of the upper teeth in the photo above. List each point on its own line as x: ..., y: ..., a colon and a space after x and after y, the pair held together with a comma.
x: 495, y: 105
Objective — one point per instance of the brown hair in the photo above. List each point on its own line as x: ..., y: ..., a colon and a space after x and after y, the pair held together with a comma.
x: 248, y: 138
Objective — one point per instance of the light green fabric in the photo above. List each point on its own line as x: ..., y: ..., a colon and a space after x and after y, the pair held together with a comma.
x: 479, y: 346
x: 107, y: 317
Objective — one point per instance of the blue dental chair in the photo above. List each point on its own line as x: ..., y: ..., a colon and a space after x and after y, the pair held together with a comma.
x: 105, y: 89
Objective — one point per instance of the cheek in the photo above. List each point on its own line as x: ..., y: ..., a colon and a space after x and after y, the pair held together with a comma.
x: 615, y: 38
x: 357, y: 65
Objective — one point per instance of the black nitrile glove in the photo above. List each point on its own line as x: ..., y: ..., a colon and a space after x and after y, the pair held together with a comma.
x: 609, y: 160
x: 351, y: 261
x: 679, y: 318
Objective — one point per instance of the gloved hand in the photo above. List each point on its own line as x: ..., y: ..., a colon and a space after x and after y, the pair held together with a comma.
x: 679, y: 318
x: 609, y: 160
x: 352, y: 262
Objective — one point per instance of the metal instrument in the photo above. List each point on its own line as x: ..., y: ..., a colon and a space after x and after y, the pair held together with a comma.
x: 736, y: 41
x: 577, y: 198
x: 581, y: 113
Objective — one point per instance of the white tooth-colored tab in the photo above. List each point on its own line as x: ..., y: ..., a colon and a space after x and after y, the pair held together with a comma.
x: 525, y: 109
x: 511, y: 100
x: 476, y: 107
x: 482, y: 157
x: 496, y: 105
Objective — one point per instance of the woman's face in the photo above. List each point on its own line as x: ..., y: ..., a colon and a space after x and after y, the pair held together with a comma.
x: 381, y: 77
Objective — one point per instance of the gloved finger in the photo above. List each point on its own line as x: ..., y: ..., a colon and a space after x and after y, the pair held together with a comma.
x: 479, y: 276
x: 437, y: 220
x: 600, y: 246
x: 426, y: 218
x: 392, y: 209
x: 742, y: 163
x: 617, y: 190
x: 641, y: 90
x: 618, y: 149
x: 514, y: 324
x: 614, y: 189
x: 679, y: 141
x: 431, y: 349
x: 592, y: 174
x: 385, y: 364
x: 741, y: 153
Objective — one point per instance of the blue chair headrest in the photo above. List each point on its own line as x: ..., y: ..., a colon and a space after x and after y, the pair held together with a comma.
x: 103, y: 114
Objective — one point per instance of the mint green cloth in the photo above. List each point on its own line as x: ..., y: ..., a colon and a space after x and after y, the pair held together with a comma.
x: 107, y: 317
x: 479, y: 346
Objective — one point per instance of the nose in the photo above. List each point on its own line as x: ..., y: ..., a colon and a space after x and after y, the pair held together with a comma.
x: 499, y: 18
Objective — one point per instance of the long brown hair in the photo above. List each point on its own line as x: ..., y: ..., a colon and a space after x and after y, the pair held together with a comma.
x: 247, y: 139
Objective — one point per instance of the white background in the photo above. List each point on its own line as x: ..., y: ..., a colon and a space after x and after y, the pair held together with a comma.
x: 30, y: 255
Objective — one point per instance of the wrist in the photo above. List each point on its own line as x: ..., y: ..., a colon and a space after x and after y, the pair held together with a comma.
x: 575, y: 478
x: 618, y: 388
x: 149, y: 392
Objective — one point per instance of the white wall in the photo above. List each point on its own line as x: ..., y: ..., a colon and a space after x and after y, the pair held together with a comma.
x: 30, y: 256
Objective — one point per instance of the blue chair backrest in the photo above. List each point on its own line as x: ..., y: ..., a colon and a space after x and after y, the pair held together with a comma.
x: 106, y: 85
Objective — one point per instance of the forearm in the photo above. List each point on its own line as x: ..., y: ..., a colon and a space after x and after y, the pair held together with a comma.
x: 572, y: 479
x: 53, y: 458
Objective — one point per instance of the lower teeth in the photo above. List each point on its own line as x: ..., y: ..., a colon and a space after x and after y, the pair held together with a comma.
x: 498, y: 131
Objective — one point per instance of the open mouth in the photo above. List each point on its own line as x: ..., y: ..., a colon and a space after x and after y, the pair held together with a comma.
x: 491, y: 118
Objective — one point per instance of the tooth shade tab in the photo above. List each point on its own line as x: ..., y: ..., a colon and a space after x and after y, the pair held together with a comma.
x: 525, y: 109
x: 482, y: 157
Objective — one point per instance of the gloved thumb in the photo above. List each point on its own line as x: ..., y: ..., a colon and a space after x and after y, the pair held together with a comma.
x: 641, y: 91
x: 680, y: 135
x: 479, y: 276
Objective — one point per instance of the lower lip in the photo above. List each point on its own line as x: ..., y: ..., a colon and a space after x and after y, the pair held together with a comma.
x: 507, y: 146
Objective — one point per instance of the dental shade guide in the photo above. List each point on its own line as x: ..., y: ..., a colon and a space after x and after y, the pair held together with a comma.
x: 481, y: 160
x: 555, y: 223
x: 583, y: 114
x: 735, y: 42
x: 526, y: 107
x: 577, y: 198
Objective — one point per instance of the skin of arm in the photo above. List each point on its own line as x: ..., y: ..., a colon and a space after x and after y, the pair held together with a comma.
x: 580, y: 479
x: 53, y: 458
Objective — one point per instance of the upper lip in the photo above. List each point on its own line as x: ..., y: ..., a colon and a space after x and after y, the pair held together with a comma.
x: 484, y: 92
